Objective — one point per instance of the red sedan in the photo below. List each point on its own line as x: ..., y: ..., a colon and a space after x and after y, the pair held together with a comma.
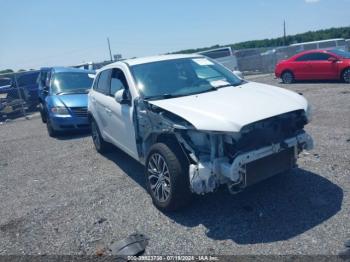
x: 315, y: 65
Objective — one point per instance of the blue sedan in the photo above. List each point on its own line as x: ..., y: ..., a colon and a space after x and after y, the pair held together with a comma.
x: 65, y: 99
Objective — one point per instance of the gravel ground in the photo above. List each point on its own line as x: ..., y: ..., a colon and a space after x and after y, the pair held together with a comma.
x: 59, y: 196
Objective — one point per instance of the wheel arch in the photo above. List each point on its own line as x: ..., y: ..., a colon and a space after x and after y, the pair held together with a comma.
x: 287, y: 70
x: 171, y: 141
x: 342, y: 72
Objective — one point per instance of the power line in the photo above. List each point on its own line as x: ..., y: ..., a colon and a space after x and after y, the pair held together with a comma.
x: 284, y: 33
x: 110, y: 52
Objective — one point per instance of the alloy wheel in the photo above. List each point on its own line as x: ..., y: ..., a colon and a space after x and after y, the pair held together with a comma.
x: 346, y: 76
x: 159, y: 177
x: 287, y: 78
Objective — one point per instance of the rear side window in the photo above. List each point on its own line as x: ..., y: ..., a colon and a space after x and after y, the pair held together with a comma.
x: 314, y: 57
x: 43, y: 75
x: 103, y: 82
x: 118, y: 81
x: 94, y: 85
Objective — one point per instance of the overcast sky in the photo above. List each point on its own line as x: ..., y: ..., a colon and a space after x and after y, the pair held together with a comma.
x: 37, y: 33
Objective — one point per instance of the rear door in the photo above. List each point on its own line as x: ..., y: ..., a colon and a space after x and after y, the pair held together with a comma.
x: 98, y: 97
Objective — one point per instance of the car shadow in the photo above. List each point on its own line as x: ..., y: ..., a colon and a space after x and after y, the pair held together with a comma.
x: 277, y: 209
x: 71, y: 135
x: 316, y: 82
x: 128, y: 165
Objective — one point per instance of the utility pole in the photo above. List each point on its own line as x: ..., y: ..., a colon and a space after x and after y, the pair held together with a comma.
x: 284, y: 33
x: 109, y: 48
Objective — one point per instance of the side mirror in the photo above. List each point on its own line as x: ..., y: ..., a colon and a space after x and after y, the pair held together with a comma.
x: 122, y: 96
x: 45, y: 89
x: 332, y: 59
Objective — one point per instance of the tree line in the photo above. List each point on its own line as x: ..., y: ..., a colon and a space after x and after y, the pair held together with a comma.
x: 340, y: 32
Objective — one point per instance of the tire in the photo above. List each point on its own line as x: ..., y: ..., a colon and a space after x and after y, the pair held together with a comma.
x: 167, y: 178
x: 50, y: 130
x: 42, y: 113
x: 101, y: 145
x: 346, y: 76
x: 287, y: 77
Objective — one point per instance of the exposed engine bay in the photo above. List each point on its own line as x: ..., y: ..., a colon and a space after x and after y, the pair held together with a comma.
x: 238, y: 159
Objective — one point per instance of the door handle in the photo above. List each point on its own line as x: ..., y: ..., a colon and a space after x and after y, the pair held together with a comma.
x: 93, y: 100
x: 108, y: 110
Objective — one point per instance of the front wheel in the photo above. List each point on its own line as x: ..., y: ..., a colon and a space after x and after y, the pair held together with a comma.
x: 52, y: 132
x: 42, y: 113
x: 287, y: 77
x: 346, y: 76
x: 167, y: 178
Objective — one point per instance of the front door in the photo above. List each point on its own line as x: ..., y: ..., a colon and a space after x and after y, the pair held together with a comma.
x: 322, y: 68
x: 120, y: 127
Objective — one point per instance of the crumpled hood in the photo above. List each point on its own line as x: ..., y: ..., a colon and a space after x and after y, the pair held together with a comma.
x: 231, y: 108
x: 73, y: 100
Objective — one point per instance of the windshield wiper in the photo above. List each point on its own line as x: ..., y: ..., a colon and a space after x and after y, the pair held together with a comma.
x: 167, y: 96
x: 163, y: 96
x: 227, y: 85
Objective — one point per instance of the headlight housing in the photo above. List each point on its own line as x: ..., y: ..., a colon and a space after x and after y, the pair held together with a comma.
x: 308, y: 113
x: 60, y: 110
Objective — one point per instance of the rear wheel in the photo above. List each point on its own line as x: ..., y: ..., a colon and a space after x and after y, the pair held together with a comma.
x: 100, y: 145
x: 167, y: 178
x: 346, y: 75
x: 287, y: 77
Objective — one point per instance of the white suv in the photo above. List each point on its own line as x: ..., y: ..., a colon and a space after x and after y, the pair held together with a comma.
x: 195, y: 125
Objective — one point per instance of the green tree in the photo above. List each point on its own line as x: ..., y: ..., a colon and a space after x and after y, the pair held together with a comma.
x: 6, y: 71
x: 341, y: 32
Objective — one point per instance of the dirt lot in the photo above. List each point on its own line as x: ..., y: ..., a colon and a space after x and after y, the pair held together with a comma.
x: 58, y: 196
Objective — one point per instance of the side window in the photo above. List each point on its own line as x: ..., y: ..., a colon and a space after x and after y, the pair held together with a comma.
x: 306, y: 57
x: 118, y: 81
x: 314, y: 57
x: 94, y: 86
x: 103, y: 82
x: 43, y: 76
x: 48, y: 79
x: 321, y: 57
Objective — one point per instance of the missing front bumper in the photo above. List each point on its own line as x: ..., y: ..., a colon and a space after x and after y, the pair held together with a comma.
x: 250, y: 167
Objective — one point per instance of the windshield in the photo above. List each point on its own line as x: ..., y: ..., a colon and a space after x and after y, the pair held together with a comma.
x: 181, y: 77
x: 341, y: 53
x: 72, y: 82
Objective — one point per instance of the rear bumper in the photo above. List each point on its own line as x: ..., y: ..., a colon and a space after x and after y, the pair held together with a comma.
x: 66, y: 123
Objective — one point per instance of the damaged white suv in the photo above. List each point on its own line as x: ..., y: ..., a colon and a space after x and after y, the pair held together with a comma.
x: 195, y: 125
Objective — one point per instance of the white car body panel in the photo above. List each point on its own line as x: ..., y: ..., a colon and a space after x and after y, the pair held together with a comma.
x: 231, y: 108
x: 137, y: 124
